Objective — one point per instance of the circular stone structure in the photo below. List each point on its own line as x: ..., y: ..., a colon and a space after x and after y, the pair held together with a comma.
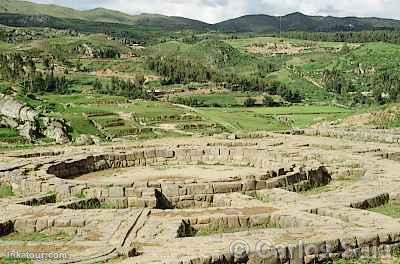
x: 299, y: 198
x: 171, y: 174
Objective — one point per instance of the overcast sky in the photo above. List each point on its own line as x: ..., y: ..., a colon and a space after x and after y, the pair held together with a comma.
x: 217, y: 10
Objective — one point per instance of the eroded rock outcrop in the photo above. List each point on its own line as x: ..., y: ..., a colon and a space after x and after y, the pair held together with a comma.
x: 15, y: 114
x: 11, y: 108
x: 56, y: 130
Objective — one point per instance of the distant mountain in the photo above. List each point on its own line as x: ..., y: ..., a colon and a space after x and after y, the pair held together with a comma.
x: 99, y: 15
x: 300, y: 22
x: 17, y: 13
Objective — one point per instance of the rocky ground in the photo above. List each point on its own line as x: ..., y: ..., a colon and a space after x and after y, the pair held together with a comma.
x: 272, y: 199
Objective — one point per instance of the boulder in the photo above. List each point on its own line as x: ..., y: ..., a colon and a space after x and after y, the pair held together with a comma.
x: 84, y: 140
x: 28, y: 131
x: 8, y: 122
x: 55, y: 130
x: 11, y: 108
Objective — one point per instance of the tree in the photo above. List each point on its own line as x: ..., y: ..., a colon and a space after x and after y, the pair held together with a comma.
x: 249, y: 102
x: 268, y: 101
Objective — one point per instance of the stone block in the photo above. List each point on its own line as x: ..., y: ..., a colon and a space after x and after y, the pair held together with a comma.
x: 261, y: 185
x: 333, y: 246
x: 227, y: 187
x: 199, y: 189
x: 77, y: 222
x: 118, y: 203
x: 258, y: 220
x: 264, y: 256
x: 249, y: 186
x: 233, y: 221
x: 41, y: 224
x: 170, y: 190
x: 25, y: 225
x: 62, y: 222
x: 165, y: 153
x: 116, y: 192
x: 150, y: 203
x: 136, y: 202
x: 296, y: 253
x: 130, y: 192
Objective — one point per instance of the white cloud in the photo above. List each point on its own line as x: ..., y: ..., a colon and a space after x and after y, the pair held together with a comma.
x: 218, y: 10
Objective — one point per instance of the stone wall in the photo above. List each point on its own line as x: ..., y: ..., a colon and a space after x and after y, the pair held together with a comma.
x: 311, y: 252
x: 369, y: 135
x: 202, y: 195
x: 191, y: 225
x: 58, y: 178
x: 72, y: 169
x: 372, y: 202
x: 31, y: 225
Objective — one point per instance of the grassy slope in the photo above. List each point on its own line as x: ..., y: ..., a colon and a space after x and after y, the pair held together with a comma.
x: 301, y: 22
x: 250, y: 23
x: 327, y: 55
x: 391, y: 209
x: 215, y: 54
x: 96, y: 15
x: 272, y: 119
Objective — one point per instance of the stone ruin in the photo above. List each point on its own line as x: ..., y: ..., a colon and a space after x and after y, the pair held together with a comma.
x: 268, y: 199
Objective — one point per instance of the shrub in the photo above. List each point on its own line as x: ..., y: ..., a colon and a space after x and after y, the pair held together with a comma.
x: 249, y: 102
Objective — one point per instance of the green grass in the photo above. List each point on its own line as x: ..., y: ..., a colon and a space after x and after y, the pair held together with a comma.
x: 10, y: 147
x: 220, y: 99
x: 8, y: 132
x: 392, y: 209
x: 15, y: 261
x: 271, y: 118
x: 212, y: 229
x: 261, y: 197
x: 135, y: 66
x: 4, y: 88
x: 6, y: 191
x: 37, y: 236
x: 356, y: 261
x: 11, y: 136
x: 241, y: 119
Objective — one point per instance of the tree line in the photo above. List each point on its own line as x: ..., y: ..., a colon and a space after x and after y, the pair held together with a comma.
x: 132, y: 89
x: 384, y: 86
x: 176, y: 70
x: 23, y: 70
x: 389, y: 36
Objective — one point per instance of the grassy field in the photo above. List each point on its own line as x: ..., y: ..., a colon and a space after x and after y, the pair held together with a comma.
x: 15, y: 261
x: 6, y: 191
x: 110, y: 117
x: 391, y: 209
x: 272, y: 119
x: 10, y: 136
x: 38, y: 237
x: 118, y: 114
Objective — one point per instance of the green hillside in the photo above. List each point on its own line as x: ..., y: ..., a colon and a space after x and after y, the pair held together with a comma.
x: 97, y: 15
x: 251, y: 23
x: 301, y: 22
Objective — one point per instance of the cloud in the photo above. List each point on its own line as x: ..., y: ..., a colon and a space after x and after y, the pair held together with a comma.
x: 217, y: 10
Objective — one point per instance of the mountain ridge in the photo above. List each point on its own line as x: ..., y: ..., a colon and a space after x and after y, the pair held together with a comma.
x: 253, y: 23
